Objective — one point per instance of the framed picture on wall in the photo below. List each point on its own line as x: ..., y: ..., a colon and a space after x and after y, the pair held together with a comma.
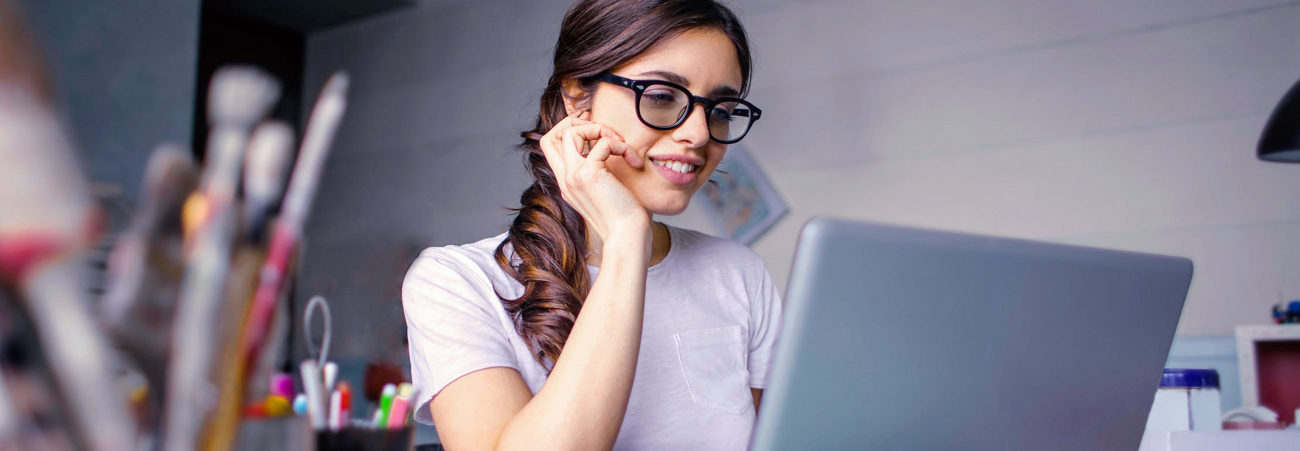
x: 739, y: 199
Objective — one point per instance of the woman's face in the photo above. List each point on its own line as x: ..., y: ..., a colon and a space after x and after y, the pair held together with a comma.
x: 704, y: 61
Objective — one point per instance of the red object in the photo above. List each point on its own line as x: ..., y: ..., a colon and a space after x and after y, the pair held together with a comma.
x: 255, y: 411
x: 345, y: 396
x: 1278, y: 369
x: 18, y: 254
x: 379, y: 374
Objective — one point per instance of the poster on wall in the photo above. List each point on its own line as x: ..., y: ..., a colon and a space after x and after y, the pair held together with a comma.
x: 739, y: 199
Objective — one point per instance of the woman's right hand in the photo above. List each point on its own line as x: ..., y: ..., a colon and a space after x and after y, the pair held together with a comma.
x: 585, y: 181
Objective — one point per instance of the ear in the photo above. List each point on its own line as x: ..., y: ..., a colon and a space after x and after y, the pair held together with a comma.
x: 572, y: 95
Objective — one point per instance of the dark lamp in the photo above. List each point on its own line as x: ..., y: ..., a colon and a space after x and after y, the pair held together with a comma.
x: 1280, y: 141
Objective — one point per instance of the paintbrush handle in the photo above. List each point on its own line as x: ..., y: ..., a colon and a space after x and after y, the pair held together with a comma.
x: 321, y: 128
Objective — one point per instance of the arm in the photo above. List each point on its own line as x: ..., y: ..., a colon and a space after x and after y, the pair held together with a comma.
x: 584, y: 399
x: 582, y: 404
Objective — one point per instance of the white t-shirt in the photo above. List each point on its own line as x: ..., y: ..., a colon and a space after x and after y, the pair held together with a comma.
x: 712, y: 316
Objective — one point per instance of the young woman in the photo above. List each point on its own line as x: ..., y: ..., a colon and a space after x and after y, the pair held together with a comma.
x: 672, y: 346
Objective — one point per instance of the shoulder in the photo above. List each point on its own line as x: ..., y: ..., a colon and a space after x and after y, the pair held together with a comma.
x: 463, y: 268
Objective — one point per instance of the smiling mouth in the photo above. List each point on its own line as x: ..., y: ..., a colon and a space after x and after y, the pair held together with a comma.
x: 678, y: 172
x: 675, y: 166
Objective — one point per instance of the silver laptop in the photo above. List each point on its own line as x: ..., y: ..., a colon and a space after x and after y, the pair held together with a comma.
x: 906, y: 339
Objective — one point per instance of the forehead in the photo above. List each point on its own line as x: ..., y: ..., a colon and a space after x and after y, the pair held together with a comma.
x: 706, y: 57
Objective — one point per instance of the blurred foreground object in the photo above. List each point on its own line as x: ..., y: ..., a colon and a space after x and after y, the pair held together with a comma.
x: 196, y: 283
x: 47, y: 225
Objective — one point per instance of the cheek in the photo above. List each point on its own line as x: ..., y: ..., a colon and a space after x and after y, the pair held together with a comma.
x: 715, y: 154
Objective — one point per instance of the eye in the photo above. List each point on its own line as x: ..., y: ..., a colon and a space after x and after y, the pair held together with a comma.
x: 661, y: 98
x: 720, y: 114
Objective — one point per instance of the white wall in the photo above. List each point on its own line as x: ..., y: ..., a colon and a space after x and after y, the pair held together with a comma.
x: 1126, y: 124
x: 1115, y: 123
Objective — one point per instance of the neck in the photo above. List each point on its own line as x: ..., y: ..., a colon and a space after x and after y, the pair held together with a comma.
x: 658, y: 248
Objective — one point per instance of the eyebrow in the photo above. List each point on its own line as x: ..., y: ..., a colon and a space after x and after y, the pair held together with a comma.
x: 677, y: 78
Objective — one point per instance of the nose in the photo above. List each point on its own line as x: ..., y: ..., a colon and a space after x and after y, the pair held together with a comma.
x: 695, y: 131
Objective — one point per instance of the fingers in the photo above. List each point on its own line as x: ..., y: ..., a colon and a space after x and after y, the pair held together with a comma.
x: 602, y: 150
x: 576, y: 137
x: 586, y: 130
x: 607, y: 146
x: 569, y: 146
x: 554, y: 148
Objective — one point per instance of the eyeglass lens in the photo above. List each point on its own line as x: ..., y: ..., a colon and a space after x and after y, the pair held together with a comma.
x: 663, y: 106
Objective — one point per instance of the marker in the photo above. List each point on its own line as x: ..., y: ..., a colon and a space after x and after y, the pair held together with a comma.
x: 385, y: 404
x: 401, y: 407
x: 336, y: 411
x: 311, y: 384
x: 345, y: 404
x: 331, y: 375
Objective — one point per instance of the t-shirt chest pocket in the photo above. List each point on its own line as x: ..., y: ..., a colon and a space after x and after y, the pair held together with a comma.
x: 713, y: 362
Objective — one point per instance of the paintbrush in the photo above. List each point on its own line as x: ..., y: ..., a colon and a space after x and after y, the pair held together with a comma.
x: 321, y: 128
x: 146, y: 266
x: 264, y: 168
x: 269, y: 152
x: 238, y: 98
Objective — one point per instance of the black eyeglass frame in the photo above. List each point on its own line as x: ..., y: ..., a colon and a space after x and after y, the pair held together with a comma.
x: 639, y: 87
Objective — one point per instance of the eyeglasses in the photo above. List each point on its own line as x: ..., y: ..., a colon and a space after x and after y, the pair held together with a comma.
x: 663, y: 105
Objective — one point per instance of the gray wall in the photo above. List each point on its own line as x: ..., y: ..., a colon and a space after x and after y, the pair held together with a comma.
x: 124, y: 72
x: 1127, y: 124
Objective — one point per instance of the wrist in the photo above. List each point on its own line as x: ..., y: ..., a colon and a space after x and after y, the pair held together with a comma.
x: 634, y: 237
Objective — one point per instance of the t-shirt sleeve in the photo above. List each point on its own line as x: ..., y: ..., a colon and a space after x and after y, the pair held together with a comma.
x: 452, y: 326
x: 764, y: 329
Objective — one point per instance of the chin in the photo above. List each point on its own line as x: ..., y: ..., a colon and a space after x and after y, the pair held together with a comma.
x: 667, y: 207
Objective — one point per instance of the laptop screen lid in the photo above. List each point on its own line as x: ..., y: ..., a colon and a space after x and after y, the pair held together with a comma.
x: 903, y: 338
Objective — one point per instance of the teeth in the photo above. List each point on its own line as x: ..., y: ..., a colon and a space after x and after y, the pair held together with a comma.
x: 676, y: 166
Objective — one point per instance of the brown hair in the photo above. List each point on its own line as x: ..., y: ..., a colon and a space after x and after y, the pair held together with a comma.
x: 548, y: 237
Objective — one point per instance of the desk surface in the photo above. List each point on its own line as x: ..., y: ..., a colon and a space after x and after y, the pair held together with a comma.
x: 1220, y: 440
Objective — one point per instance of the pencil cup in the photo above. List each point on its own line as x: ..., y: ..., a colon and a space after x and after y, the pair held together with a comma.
x: 282, y: 433
x: 356, y: 439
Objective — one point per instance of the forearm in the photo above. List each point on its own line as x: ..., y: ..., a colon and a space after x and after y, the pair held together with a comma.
x: 582, y: 404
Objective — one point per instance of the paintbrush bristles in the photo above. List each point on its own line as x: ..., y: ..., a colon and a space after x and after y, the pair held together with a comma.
x: 237, y: 99
x: 241, y: 95
x: 269, y: 152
